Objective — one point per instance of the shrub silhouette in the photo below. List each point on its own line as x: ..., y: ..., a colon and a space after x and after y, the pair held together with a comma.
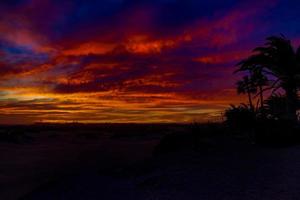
x: 276, y: 106
x: 241, y: 117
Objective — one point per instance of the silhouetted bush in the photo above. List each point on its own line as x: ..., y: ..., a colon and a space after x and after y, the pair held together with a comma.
x: 240, y: 117
x: 276, y: 106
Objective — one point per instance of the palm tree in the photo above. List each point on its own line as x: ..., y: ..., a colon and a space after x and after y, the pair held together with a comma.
x: 260, y: 81
x: 246, y: 86
x: 279, y: 60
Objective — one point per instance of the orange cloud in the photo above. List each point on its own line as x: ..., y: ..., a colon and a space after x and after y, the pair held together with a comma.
x: 141, y: 44
x: 153, y: 80
x: 89, y: 48
x: 219, y: 58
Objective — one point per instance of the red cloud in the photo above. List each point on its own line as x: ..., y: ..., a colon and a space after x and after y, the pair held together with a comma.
x: 219, y: 58
x: 140, y: 44
x: 231, y: 27
x: 89, y: 48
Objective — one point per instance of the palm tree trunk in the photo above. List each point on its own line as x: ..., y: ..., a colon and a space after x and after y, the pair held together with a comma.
x: 291, y: 101
x: 250, y: 101
x: 261, y: 97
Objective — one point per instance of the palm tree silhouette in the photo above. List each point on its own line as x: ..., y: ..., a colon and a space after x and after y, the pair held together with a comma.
x: 260, y: 81
x: 246, y: 86
x: 279, y: 60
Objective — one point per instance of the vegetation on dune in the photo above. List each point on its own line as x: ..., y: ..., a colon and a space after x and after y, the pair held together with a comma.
x: 271, y: 81
x: 241, y: 116
x: 273, y: 67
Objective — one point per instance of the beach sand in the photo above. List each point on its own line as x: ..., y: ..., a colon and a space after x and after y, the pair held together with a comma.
x: 69, y: 166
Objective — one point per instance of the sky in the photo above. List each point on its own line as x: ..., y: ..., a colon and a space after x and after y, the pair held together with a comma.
x: 137, y: 61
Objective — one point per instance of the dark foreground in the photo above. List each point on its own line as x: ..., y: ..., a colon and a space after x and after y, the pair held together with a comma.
x: 117, y: 162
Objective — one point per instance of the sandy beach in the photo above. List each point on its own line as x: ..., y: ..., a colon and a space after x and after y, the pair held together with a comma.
x: 66, y: 166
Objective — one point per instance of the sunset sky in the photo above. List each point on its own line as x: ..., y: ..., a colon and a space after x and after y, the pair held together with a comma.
x: 130, y: 60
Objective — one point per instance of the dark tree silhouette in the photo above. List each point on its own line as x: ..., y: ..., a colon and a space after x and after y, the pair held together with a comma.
x: 246, y: 86
x: 276, y: 106
x: 279, y: 60
x: 260, y: 81
x: 241, y: 117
